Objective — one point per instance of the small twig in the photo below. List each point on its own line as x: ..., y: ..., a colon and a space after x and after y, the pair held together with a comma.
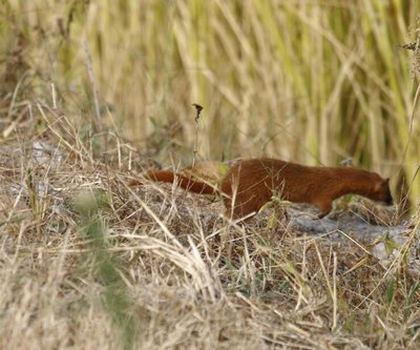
x: 53, y: 96
x: 334, y: 295
x: 411, y: 46
x: 198, y: 109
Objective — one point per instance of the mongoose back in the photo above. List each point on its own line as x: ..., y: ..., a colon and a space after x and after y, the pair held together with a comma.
x: 251, y: 183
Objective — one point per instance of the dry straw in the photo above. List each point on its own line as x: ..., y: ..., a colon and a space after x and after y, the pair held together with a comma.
x: 312, y: 81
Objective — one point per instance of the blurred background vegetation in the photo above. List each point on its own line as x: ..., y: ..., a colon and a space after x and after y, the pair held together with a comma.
x: 313, y: 81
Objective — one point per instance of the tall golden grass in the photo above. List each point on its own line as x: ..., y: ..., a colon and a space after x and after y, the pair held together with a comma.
x: 309, y: 81
x: 86, y: 261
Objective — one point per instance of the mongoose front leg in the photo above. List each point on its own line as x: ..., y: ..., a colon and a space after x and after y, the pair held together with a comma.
x: 325, y: 208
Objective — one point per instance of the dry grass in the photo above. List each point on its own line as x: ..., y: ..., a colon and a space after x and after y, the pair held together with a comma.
x: 87, y: 262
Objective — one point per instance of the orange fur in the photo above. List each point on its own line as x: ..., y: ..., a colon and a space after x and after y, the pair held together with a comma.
x: 250, y: 184
x: 183, y: 181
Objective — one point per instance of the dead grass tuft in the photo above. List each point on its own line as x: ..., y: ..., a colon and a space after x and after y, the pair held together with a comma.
x: 159, y: 268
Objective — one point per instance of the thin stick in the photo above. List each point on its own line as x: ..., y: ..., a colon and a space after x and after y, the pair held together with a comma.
x: 334, y: 325
x: 198, y: 109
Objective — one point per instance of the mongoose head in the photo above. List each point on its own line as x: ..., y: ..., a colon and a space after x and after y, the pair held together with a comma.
x: 381, y: 191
